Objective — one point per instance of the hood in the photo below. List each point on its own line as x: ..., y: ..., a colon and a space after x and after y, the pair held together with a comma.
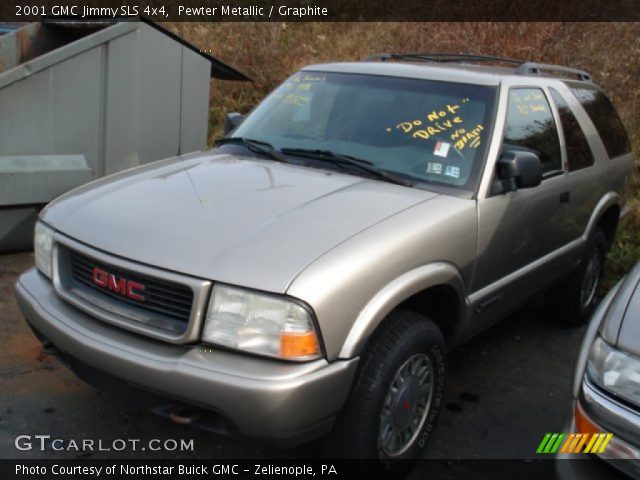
x: 621, y: 324
x: 629, y: 337
x: 229, y: 218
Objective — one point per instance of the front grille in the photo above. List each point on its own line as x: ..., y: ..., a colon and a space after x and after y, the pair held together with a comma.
x: 162, y: 299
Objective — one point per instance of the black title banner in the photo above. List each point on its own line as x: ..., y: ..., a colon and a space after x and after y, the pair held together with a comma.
x: 324, y: 10
x: 84, y: 469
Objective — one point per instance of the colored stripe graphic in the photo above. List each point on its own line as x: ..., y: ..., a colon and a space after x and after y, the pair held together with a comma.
x: 594, y: 439
x: 600, y: 443
x: 569, y: 443
x: 583, y: 440
x: 605, y: 442
x: 550, y: 443
x: 577, y: 437
x: 574, y: 443
x: 556, y: 445
x: 543, y: 443
x: 596, y: 446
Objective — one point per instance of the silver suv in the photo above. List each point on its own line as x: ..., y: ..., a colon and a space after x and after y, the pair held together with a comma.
x: 310, y: 273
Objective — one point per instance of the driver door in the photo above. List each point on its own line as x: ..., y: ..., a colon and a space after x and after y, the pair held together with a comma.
x: 519, y: 230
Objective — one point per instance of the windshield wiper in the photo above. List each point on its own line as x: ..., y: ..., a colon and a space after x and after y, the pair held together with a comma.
x: 348, y: 161
x: 257, y: 146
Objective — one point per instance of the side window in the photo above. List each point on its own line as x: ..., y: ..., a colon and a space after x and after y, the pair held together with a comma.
x: 578, y: 152
x: 604, y: 117
x: 530, y: 126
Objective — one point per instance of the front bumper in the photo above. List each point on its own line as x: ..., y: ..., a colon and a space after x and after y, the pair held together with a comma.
x: 259, y: 397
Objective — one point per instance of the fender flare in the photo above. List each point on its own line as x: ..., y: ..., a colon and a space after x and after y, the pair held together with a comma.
x: 394, y: 293
x: 608, y: 200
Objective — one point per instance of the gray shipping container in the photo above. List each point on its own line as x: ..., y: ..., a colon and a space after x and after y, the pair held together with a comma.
x: 82, y: 100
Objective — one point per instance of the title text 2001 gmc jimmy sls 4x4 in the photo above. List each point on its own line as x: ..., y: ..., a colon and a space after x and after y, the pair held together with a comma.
x: 309, y: 274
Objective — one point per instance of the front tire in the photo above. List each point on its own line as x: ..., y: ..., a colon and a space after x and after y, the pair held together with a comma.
x: 397, y: 392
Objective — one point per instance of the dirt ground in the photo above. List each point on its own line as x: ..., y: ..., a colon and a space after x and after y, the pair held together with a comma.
x: 505, y: 389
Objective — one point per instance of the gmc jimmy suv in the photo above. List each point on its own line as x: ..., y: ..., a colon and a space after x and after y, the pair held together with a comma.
x: 309, y: 274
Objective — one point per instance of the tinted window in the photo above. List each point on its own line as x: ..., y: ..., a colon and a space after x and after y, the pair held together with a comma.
x: 530, y: 126
x: 578, y: 152
x: 605, y: 118
x: 433, y: 132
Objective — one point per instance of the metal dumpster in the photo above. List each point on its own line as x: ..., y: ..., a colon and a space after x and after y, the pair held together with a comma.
x: 79, y: 100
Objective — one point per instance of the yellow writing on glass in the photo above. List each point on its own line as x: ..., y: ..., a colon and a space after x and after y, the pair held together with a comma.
x: 437, y: 121
x: 463, y: 138
x: 297, y: 85
x: 528, y: 101
x: 308, y: 77
x: 296, y: 99
x: 527, y: 96
x: 436, y: 128
x: 526, y: 109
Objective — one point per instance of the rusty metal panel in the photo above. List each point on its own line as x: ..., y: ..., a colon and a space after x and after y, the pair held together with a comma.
x: 13, y: 47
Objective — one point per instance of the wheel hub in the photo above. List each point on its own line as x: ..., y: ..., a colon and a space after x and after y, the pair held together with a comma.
x: 406, y: 405
x: 591, y: 279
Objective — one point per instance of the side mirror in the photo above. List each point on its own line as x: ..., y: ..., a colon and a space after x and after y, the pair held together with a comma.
x: 231, y: 121
x: 519, y: 169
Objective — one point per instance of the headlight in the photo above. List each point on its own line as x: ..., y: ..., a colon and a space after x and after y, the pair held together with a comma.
x: 615, y: 371
x: 260, y: 323
x: 42, y: 242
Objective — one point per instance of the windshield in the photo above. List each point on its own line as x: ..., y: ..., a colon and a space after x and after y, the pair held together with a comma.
x: 431, y: 132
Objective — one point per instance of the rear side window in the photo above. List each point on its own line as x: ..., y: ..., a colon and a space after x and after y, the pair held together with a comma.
x: 605, y: 118
x: 530, y: 127
x: 578, y: 151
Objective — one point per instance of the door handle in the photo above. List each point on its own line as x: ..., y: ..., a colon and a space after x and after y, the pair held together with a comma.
x: 564, y: 197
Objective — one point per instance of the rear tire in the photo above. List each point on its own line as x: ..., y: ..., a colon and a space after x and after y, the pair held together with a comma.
x: 397, y: 391
x: 573, y: 301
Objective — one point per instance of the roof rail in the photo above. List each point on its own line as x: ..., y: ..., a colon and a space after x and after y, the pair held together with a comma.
x: 440, y: 57
x: 524, y: 68
x: 533, y: 68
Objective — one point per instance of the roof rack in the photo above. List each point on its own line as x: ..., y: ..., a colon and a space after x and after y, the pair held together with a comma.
x: 440, y: 57
x: 533, y: 68
x: 524, y: 68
